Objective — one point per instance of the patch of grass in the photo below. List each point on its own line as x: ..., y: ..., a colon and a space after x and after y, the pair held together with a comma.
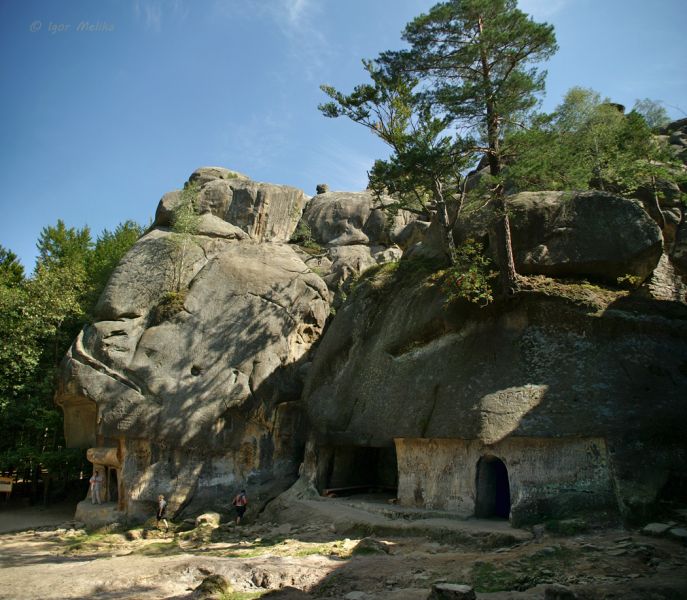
x: 290, y: 548
x: 159, y: 548
x: 243, y: 595
x: 486, y: 577
x: 566, y: 526
x: 581, y: 292
x: 169, y: 305
x: 90, y: 542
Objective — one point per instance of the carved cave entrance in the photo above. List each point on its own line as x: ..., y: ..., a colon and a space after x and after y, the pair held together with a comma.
x: 493, y: 489
x: 112, y: 485
x: 362, y: 470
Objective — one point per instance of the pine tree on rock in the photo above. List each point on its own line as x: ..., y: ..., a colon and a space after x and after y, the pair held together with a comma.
x: 474, y: 62
x: 478, y: 58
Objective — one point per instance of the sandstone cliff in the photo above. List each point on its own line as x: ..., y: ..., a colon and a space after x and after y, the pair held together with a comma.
x: 569, y: 397
x: 207, y: 399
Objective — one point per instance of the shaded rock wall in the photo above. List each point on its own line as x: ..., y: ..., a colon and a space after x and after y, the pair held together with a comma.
x: 595, y: 235
x: 205, y: 399
x: 572, y: 361
x: 546, y: 475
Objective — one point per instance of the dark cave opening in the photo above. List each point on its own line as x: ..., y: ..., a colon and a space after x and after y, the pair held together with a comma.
x: 493, y: 489
x: 362, y: 469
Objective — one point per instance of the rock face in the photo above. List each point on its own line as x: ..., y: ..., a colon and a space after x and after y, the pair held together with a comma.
x: 355, y: 234
x: 266, y: 212
x: 200, y: 376
x: 350, y: 218
x: 529, y: 404
x: 204, y: 401
x: 561, y: 234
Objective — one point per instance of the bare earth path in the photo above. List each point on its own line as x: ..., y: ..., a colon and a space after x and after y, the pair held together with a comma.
x: 13, y: 518
x: 308, y: 558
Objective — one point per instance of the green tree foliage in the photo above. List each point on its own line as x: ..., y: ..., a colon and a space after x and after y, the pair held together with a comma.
x: 11, y: 270
x: 589, y: 143
x: 110, y: 248
x: 185, y: 222
x: 473, y: 61
x: 470, y: 277
x: 423, y: 173
x: 654, y: 113
x: 39, y: 318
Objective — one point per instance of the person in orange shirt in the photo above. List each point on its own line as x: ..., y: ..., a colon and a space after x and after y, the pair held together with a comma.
x: 240, y: 502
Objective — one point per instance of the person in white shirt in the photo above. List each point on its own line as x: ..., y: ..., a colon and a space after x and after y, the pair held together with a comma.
x: 96, y: 482
x: 162, y: 511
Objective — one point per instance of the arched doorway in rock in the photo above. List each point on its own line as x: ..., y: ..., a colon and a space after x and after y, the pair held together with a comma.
x: 493, y: 489
x: 112, y: 485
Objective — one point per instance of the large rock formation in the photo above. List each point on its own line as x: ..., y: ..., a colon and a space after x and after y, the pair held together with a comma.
x: 267, y: 212
x: 576, y: 392
x: 571, y: 396
x: 201, y: 397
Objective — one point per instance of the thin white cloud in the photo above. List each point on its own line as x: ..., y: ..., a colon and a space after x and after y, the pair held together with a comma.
x: 258, y: 140
x: 152, y: 13
x: 296, y: 21
x: 297, y: 10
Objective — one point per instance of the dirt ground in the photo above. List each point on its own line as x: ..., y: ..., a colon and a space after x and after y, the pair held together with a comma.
x: 16, y: 517
x: 337, y: 549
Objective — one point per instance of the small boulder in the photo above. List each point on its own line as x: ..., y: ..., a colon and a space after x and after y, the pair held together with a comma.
x: 656, y: 528
x: 213, y: 587
x: 208, y: 519
x: 451, y: 591
x: 559, y: 592
x: 370, y: 545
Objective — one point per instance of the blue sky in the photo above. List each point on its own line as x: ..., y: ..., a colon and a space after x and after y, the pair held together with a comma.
x: 97, y: 124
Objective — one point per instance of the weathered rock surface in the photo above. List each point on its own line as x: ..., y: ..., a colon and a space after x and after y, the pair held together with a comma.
x: 265, y: 211
x: 206, y: 400
x: 354, y: 234
x: 553, y: 383
x: 206, y: 396
x: 352, y: 218
x: 451, y: 591
x: 562, y: 234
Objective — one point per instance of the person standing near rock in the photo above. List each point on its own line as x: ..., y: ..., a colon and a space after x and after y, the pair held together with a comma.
x: 240, y: 501
x: 96, y: 482
x: 162, y: 511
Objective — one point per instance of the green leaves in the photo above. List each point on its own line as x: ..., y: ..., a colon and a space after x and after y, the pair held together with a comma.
x: 39, y: 318
x: 471, y: 277
x: 588, y: 143
x: 185, y: 222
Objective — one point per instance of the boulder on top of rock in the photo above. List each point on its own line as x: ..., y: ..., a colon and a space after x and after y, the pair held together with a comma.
x: 265, y: 211
x: 204, y: 174
x: 563, y: 234
x: 349, y: 218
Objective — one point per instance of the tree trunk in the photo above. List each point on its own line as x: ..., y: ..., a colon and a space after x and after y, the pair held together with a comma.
x: 447, y: 240
x: 509, y: 276
x: 658, y: 214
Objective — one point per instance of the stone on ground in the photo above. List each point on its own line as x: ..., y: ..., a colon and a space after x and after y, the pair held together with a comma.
x: 213, y: 587
x: 451, y: 591
x: 209, y: 519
